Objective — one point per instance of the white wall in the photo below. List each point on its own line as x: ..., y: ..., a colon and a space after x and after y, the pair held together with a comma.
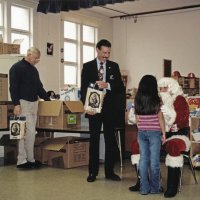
x: 48, y: 29
x: 141, y: 47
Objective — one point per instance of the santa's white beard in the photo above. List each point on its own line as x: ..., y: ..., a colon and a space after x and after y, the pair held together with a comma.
x: 167, y: 99
x: 168, y: 110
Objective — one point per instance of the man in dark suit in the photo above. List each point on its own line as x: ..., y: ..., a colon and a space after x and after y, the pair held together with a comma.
x: 109, y: 80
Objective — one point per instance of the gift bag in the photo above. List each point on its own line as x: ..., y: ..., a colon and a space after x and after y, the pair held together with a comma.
x: 94, y: 100
x: 131, y: 116
x: 17, y: 127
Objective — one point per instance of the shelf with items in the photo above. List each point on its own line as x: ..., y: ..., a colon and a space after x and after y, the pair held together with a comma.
x: 190, y: 85
x: 195, y: 139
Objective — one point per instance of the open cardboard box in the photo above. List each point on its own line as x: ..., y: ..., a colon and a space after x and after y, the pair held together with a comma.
x: 65, y: 152
x: 59, y: 114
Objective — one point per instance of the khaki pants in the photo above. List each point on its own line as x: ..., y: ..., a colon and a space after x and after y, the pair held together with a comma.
x: 26, y: 145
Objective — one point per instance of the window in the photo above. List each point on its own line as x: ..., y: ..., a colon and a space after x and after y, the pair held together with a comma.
x: 89, y: 35
x: 1, y: 14
x: 70, y: 53
x: 20, y: 13
x: 79, y: 47
x: 1, y: 20
x: 21, y: 30
x: 16, y: 23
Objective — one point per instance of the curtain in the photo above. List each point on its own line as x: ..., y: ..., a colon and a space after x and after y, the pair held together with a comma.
x: 56, y: 6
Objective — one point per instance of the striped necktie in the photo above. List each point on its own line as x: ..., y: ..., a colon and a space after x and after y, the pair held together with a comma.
x: 101, y: 72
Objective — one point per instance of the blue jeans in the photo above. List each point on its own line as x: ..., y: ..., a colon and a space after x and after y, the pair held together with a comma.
x: 149, y: 164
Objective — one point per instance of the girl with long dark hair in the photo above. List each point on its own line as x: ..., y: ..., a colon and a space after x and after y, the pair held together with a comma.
x: 151, y: 133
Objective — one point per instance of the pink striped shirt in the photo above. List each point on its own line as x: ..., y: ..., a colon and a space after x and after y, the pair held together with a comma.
x: 148, y: 122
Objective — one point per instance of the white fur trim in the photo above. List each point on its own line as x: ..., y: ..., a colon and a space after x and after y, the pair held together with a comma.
x: 182, y: 137
x: 174, y: 161
x: 135, y: 159
x: 170, y: 119
x: 173, y: 86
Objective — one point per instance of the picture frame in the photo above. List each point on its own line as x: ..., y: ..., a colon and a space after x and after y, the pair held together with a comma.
x: 50, y: 48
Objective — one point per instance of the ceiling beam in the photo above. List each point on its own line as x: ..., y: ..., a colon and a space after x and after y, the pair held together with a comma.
x: 156, y: 11
x: 114, y: 10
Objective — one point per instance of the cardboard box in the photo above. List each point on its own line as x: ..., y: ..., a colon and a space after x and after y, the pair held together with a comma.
x: 59, y: 114
x: 7, y: 48
x: 3, y: 87
x: 3, y: 117
x: 65, y: 152
x: 39, y: 140
x: 1, y: 48
x: 11, y: 148
x: 6, y: 110
x: 41, y: 136
x: 196, y: 136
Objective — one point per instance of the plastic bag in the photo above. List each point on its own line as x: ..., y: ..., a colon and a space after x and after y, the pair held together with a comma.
x: 131, y: 116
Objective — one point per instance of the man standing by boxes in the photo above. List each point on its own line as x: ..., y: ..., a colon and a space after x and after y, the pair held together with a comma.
x: 105, y: 74
x: 25, y: 88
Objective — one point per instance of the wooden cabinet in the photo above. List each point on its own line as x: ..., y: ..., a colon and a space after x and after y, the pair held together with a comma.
x: 195, y: 145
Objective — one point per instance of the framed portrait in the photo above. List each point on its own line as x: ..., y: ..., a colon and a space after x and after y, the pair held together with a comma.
x: 49, y: 48
x: 94, y: 100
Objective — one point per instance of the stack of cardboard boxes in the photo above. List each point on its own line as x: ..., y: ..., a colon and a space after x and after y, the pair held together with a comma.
x: 6, y: 107
x: 64, y: 152
x: 7, y: 48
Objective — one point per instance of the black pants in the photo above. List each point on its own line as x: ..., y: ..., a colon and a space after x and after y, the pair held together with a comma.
x: 95, y: 124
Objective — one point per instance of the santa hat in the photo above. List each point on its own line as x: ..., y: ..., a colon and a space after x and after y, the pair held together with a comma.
x: 173, y: 86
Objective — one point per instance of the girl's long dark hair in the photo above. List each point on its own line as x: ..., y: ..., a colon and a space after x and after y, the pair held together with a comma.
x: 147, y: 100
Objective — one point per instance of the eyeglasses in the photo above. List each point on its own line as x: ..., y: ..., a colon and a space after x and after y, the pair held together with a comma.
x: 35, y: 57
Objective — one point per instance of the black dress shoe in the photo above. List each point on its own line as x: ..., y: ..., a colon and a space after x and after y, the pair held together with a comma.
x: 35, y: 165
x: 113, y: 177
x: 135, y: 187
x: 91, y: 178
x: 26, y: 165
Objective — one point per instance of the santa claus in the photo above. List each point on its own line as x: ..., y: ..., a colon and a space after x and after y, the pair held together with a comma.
x: 176, y: 112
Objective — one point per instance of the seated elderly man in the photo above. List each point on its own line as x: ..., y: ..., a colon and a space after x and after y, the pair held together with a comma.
x: 176, y: 112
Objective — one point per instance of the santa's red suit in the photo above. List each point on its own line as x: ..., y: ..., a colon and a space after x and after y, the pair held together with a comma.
x: 176, y: 113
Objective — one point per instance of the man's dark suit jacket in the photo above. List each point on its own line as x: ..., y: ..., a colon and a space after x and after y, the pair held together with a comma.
x: 113, y: 77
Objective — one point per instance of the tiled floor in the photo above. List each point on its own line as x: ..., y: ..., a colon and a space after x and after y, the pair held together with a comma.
x: 70, y: 184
